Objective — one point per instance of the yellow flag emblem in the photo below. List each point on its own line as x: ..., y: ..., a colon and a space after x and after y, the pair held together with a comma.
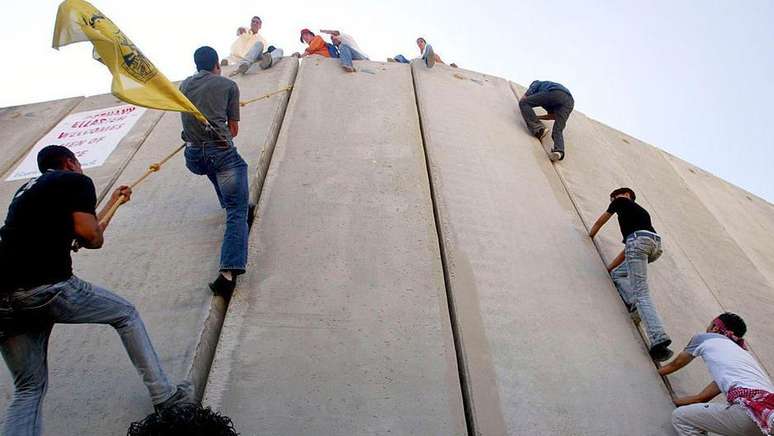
x: 135, y: 79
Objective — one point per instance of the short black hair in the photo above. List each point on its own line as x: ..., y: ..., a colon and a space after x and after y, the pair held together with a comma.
x: 205, y: 58
x: 256, y: 16
x: 734, y: 322
x: 620, y: 191
x: 54, y: 157
x: 421, y: 39
x: 184, y: 420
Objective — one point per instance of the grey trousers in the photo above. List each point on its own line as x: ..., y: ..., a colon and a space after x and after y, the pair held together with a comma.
x: 698, y: 419
x: 256, y: 53
x: 557, y: 103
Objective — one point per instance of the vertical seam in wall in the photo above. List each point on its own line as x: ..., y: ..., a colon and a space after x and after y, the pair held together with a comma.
x: 209, y: 337
x: 462, y: 369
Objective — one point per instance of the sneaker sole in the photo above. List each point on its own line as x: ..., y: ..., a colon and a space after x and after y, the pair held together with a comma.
x: 265, y: 62
x: 430, y: 60
x: 554, y: 156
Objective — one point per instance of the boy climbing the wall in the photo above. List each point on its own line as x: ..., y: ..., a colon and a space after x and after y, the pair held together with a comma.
x: 629, y: 269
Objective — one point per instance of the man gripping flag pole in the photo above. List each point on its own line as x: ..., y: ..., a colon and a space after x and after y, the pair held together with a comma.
x: 135, y: 79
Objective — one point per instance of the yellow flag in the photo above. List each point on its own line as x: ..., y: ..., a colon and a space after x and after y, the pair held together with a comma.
x: 135, y: 79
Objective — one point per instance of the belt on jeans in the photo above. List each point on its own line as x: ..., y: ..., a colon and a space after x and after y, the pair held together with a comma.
x: 645, y: 233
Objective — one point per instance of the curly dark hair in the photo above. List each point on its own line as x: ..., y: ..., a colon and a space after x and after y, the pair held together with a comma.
x: 184, y: 420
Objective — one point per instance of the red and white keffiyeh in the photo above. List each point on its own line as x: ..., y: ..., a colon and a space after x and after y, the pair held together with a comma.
x: 757, y: 403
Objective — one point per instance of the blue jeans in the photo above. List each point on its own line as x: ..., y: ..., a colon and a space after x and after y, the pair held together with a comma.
x: 228, y: 173
x: 26, y: 320
x: 631, y: 279
x: 349, y: 54
x: 402, y: 59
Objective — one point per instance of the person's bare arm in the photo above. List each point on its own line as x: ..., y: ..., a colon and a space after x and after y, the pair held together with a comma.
x: 331, y: 32
x: 707, y: 394
x: 617, y: 261
x: 599, y: 223
x: 233, y: 127
x: 88, y: 227
x: 682, y: 359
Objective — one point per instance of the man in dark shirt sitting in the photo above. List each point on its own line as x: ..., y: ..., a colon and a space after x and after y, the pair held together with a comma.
x: 558, y: 102
x: 629, y: 269
x: 210, y: 151
x: 38, y: 288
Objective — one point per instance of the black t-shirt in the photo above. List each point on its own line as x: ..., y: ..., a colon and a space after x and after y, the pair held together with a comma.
x: 38, y: 232
x: 631, y: 216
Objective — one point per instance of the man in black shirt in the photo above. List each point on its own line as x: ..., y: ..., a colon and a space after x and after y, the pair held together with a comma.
x: 38, y: 288
x: 629, y: 269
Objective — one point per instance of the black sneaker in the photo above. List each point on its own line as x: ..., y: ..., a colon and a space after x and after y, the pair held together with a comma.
x: 183, y: 395
x: 661, y: 352
x: 223, y: 286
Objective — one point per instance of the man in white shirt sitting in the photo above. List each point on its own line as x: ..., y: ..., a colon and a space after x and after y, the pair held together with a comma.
x: 735, y: 373
x: 251, y: 47
x: 348, y: 49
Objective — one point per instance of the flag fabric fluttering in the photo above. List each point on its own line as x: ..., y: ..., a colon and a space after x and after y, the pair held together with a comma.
x: 135, y: 79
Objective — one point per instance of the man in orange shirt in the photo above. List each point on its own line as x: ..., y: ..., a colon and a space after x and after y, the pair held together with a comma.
x: 317, y: 45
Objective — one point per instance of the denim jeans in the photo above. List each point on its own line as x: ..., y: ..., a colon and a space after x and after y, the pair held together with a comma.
x: 349, y: 54
x: 631, y: 279
x: 401, y: 59
x: 256, y: 53
x: 557, y: 103
x: 228, y: 173
x: 26, y: 320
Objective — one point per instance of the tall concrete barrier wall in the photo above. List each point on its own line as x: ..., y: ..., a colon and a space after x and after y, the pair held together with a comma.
x: 747, y: 218
x: 547, y: 345
x: 340, y: 325
x: 23, y: 125
x: 417, y: 266
x: 725, y: 270
x: 703, y: 271
x: 160, y: 251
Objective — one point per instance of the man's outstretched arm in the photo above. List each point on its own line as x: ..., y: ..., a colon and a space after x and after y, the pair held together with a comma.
x: 707, y: 394
x: 331, y: 32
x: 617, y: 261
x: 682, y: 359
x: 87, y: 227
x: 599, y: 223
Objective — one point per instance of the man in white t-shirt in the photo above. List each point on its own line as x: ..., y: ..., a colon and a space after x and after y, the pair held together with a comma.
x: 735, y: 373
x: 251, y: 47
x: 348, y: 49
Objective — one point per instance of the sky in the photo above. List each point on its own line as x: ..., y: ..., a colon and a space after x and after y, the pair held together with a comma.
x: 693, y: 77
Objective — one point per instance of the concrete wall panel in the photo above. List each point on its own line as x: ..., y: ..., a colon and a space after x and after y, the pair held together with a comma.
x: 161, y: 250
x: 23, y: 126
x: 747, y: 218
x: 340, y: 326
x: 547, y: 345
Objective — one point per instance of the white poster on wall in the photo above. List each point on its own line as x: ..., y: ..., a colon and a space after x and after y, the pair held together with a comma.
x: 91, y: 135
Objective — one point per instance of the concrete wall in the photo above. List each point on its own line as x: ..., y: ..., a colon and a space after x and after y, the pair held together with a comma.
x: 161, y: 249
x: 354, y: 318
x: 340, y: 326
x: 543, y: 333
x: 22, y: 126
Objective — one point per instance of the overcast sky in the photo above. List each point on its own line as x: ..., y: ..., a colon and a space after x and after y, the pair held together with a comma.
x: 695, y: 78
